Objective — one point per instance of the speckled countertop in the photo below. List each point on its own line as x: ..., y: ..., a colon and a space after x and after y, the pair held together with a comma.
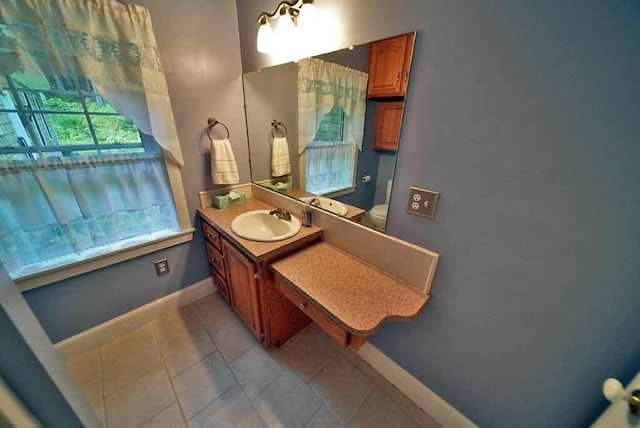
x: 354, y: 294
x: 221, y: 220
x: 352, y: 213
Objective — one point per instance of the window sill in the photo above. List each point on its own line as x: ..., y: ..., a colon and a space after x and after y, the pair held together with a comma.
x: 49, y: 276
x: 340, y: 192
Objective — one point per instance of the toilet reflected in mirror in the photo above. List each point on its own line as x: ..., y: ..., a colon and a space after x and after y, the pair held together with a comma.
x: 377, y: 216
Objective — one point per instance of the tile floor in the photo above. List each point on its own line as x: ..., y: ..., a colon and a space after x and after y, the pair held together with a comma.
x: 200, y: 366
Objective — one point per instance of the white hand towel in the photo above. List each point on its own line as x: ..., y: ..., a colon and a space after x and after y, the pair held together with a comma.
x: 280, y: 163
x: 224, y: 169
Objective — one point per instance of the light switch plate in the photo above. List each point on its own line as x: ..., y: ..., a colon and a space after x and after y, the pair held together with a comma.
x: 422, y: 202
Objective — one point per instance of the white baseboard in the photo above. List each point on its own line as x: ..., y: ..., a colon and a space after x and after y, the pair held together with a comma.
x: 444, y: 413
x: 109, y: 330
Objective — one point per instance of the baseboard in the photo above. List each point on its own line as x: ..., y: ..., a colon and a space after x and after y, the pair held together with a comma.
x: 444, y: 413
x: 129, y: 321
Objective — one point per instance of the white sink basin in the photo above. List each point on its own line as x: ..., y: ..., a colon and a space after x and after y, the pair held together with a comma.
x: 260, y: 226
x: 330, y: 205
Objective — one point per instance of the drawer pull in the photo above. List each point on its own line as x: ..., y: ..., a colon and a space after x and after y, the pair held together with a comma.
x: 213, y: 259
x: 302, y: 305
x: 208, y: 235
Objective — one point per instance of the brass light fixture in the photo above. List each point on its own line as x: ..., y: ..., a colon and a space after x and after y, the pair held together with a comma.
x: 293, y: 20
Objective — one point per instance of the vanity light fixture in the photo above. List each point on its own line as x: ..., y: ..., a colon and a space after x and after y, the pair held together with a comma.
x: 293, y: 20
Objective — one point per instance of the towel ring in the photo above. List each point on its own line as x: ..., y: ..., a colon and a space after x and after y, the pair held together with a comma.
x: 211, y: 123
x: 274, y: 126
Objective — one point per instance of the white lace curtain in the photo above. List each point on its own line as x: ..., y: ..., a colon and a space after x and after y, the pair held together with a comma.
x: 110, y: 43
x: 323, y: 85
x: 57, y: 211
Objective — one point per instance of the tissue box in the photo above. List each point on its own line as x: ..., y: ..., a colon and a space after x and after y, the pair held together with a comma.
x: 223, y: 201
x: 284, y: 190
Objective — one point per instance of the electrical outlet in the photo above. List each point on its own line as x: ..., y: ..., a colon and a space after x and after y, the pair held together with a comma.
x: 422, y: 202
x: 162, y: 267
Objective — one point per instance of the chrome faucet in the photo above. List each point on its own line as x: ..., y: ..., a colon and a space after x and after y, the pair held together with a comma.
x: 281, y: 214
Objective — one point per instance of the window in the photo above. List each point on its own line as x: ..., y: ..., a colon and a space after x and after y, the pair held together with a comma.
x: 77, y: 179
x: 330, y: 160
x: 62, y: 117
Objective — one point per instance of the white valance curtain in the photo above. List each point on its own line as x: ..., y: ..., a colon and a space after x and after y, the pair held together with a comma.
x: 110, y: 43
x: 323, y: 85
x: 57, y: 211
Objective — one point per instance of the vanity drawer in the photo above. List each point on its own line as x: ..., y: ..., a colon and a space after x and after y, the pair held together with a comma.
x: 215, y: 258
x: 220, y: 283
x: 211, y: 235
x: 334, y: 330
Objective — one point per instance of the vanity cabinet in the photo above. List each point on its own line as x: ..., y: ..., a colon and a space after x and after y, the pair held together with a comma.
x: 242, y: 275
x: 389, y: 64
x: 388, y: 123
x: 213, y: 246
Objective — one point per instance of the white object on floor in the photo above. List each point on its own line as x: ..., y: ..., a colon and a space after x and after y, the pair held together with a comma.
x: 378, y: 214
x: 280, y: 161
x: 224, y: 169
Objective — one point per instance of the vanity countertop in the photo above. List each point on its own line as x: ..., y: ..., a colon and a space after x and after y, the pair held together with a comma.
x: 353, y: 212
x: 221, y: 220
x: 354, y: 294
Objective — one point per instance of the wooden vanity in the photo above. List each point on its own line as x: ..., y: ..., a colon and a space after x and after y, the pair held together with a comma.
x: 277, y: 288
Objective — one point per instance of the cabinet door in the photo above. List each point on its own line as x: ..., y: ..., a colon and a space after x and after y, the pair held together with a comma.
x: 243, y: 287
x: 388, y: 123
x: 386, y: 66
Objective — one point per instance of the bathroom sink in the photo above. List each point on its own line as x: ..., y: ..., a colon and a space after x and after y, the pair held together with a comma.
x: 260, y: 226
x: 330, y: 205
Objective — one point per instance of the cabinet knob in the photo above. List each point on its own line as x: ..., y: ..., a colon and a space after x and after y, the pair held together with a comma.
x: 398, y: 78
x: 406, y: 77
x: 302, y: 305
x: 208, y: 235
x: 213, y: 259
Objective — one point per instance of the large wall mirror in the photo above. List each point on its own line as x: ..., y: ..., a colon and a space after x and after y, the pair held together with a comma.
x: 327, y: 129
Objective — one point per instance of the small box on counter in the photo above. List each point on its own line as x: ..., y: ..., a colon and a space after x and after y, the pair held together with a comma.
x: 225, y: 201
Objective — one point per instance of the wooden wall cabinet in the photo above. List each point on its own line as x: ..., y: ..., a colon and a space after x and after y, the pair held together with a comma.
x: 388, y: 123
x: 389, y: 64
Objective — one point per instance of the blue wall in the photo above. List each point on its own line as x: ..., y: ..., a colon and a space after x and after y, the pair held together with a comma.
x: 199, y: 46
x: 524, y: 115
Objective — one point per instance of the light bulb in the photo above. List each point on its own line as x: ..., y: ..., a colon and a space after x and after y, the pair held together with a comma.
x: 285, y: 30
x: 265, y: 38
x: 306, y: 18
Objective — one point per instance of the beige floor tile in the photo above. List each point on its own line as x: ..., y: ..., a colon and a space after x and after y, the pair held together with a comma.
x: 202, y: 383
x: 232, y: 409
x: 418, y: 415
x: 234, y: 339
x: 129, y: 358
x: 287, y: 402
x: 171, y: 417
x: 257, y: 368
x: 350, y: 355
x: 182, y: 338
x: 138, y: 402
x: 378, y: 411
x: 310, y: 350
x: 342, y: 386
x: 214, y: 311
x: 85, y: 368
x: 393, y: 393
x: 325, y: 418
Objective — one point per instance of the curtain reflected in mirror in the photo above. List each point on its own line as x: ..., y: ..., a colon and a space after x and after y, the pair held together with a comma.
x: 342, y: 112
